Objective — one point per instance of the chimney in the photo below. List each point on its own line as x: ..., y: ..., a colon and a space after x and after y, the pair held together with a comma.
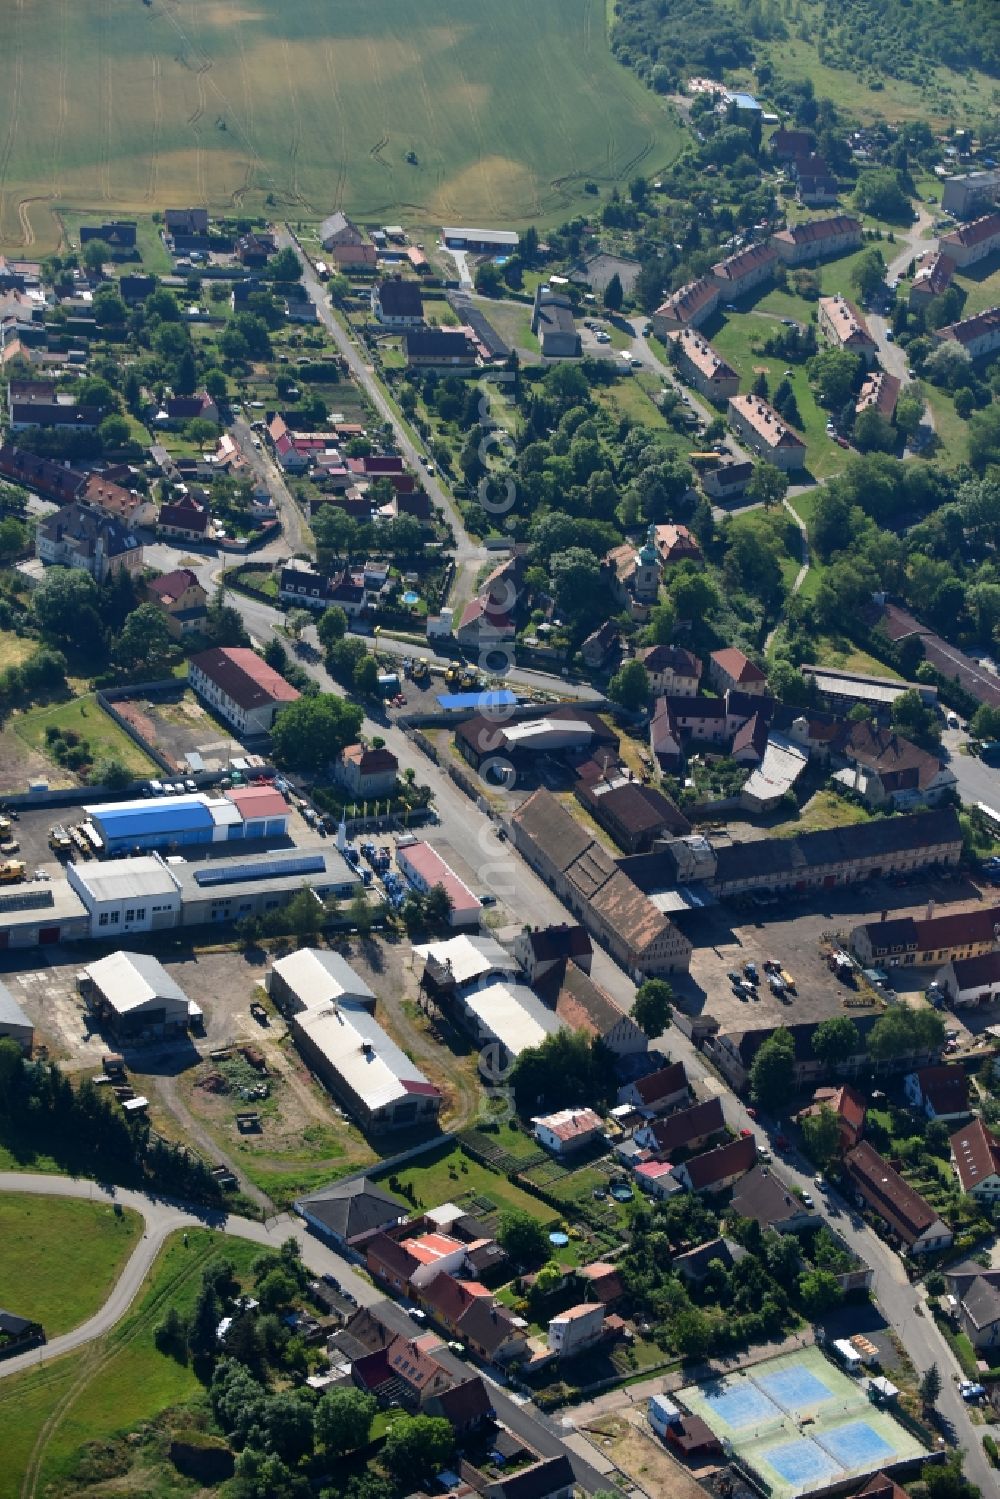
x: 884, y: 916
x: 930, y: 911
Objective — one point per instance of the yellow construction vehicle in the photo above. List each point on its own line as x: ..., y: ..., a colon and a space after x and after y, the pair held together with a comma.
x: 11, y: 870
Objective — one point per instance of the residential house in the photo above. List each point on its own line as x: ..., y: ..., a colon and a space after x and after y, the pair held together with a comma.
x: 882, y: 1487
x: 185, y: 221
x: 603, y: 1281
x: 401, y: 1374
x: 347, y: 245
x: 577, y: 1328
x: 350, y: 1210
x: 182, y: 600
x: 241, y: 687
x: 907, y: 1214
x: 766, y: 1199
x: 932, y: 277
x: 676, y: 544
x: 728, y: 481
x: 665, y: 1089
x: 448, y: 351
x: 672, y: 670
x: 970, y: 981
x: 978, y: 335
x: 543, y: 951
x: 484, y: 624
x: 845, y: 328
x: 939, y: 1092
x: 553, y: 324
x: 446, y: 1298
x: 884, y: 768
x: 567, y: 1131
x: 492, y: 1332
x: 718, y: 1168
x: 815, y: 239
x: 688, y: 307
x: 584, y: 1006
x: 730, y: 668
x: 180, y: 409
x: 932, y: 939
x: 693, y: 1266
x: 791, y: 145
x: 602, y: 648
x: 63, y: 415
x: 367, y: 773
x: 50, y: 480
x: 815, y: 184
x: 970, y: 192
x: 185, y: 519
x: 704, y: 369
x: 967, y: 244
x: 128, y: 506
x: 975, y: 1151
x: 979, y: 1312
x: 78, y: 536
x: 759, y: 426
x: 120, y: 234
x: 549, y: 1478
x: 465, y: 1406
x: 748, y: 268
x: 848, y: 1105
x: 254, y: 250
x: 687, y: 1129
x: 880, y: 392
x: 398, y: 304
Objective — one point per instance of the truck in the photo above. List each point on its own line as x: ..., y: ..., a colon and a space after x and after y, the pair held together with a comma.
x: 11, y: 871
x: 59, y: 840
x: 786, y: 979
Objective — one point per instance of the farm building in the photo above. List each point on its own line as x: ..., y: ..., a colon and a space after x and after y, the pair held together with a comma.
x: 482, y: 241
x: 135, y: 997
x: 312, y: 977
x: 363, y: 1066
x: 14, y: 1023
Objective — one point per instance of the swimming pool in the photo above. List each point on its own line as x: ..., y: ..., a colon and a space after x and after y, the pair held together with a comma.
x: 411, y: 597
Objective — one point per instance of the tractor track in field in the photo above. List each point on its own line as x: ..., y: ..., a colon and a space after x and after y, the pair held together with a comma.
x: 331, y: 73
x: 297, y: 195
x: 154, y: 151
x: 15, y: 107
x: 106, y: 101
x: 24, y: 218
x: 62, y: 101
x: 96, y: 1360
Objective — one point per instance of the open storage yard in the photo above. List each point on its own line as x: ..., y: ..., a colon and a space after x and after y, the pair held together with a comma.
x: 318, y: 105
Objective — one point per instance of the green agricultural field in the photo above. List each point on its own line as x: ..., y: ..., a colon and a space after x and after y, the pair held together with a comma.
x: 84, y: 716
x: 60, y: 1257
x: 47, y: 1414
x: 504, y: 111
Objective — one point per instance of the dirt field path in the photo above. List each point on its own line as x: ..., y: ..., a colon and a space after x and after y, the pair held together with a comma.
x: 169, y: 1095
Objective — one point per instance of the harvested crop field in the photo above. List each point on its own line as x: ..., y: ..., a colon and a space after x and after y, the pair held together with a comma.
x: 451, y: 111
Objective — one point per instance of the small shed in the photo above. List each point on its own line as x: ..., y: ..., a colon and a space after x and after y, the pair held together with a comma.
x: 848, y: 1355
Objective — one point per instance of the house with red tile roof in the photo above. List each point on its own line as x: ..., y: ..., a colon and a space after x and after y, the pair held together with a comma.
x: 975, y: 1150
x: 367, y: 772
x: 719, y: 1168
x: 968, y: 243
x: 568, y: 1130
x: 182, y: 600
x: 687, y: 1129
x: 657, y: 1091
x: 687, y: 307
x: 902, y: 1208
x: 730, y: 668
x: 848, y: 1105
x: 402, y: 1372
x: 603, y: 1281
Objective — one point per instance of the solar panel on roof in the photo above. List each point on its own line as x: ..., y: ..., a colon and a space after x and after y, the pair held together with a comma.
x: 26, y: 900
x: 231, y: 874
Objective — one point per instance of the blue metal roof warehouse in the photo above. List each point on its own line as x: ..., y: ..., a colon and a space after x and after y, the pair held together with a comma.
x: 479, y: 702
x: 153, y: 824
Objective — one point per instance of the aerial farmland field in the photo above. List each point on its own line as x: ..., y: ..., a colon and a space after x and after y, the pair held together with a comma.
x: 444, y: 110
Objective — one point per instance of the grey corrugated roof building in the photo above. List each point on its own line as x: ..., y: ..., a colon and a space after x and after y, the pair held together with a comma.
x: 14, y: 1023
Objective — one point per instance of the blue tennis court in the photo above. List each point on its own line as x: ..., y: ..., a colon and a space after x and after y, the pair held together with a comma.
x: 802, y: 1464
x: 742, y: 1405
x: 857, y: 1445
x: 797, y: 1389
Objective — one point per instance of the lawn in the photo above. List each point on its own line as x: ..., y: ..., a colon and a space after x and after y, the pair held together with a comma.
x: 60, y: 1258
x: 445, y: 1174
x: 15, y: 648
x: 952, y: 432
x: 825, y: 810
x: 981, y: 284
x: 47, y: 1414
x: 84, y: 716
x: 843, y: 655
x: 442, y: 113
x: 734, y: 337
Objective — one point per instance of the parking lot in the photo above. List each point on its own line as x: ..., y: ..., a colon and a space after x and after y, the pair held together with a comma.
x: 791, y: 934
